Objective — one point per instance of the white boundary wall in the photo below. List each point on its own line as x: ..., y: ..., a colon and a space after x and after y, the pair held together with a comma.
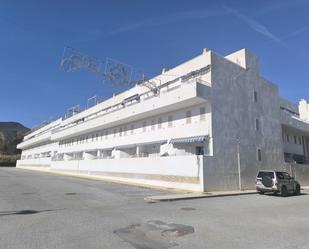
x: 174, y: 166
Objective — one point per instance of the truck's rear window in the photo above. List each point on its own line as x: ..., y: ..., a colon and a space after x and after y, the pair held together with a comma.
x: 265, y: 173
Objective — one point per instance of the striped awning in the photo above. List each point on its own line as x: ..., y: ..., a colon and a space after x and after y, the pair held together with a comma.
x: 195, y: 139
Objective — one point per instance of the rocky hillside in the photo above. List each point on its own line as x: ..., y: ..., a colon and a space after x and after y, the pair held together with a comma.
x: 11, y: 133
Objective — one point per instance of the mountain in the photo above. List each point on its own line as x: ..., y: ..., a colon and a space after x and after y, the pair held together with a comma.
x: 11, y: 133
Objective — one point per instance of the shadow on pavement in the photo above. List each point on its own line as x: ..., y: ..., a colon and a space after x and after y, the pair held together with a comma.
x: 24, y: 212
x: 290, y: 195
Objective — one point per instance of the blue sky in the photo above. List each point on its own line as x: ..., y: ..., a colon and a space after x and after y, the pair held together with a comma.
x: 148, y: 35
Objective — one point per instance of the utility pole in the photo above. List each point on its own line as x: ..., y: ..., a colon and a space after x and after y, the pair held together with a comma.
x: 238, y: 164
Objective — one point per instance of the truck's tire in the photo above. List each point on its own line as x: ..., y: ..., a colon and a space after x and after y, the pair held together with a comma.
x: 267, y: 181
x: 284, y: 191
x: 297, y: 189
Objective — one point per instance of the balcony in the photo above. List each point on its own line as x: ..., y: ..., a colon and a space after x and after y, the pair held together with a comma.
x: 45, y: 137
x: 293, y: 120
x: 172, y: 96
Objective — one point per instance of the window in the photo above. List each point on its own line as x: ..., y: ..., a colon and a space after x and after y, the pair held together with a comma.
x: 170, y: 121
x: 259, y: 154
x: 262, y: 174
x: 120, y: 131
x: 132, y: 129
x: 159, y: 123
x: 287, y: 138
x: 279, y: 175
x: 115, y: 131
x: 257, y: 124
x: 153, y: 122
x: 255, y: 96
x: 202, y: 114
x: 199, y: 150
x: 106, y: 134
x: 144, y: 126
x: 188, y: 117
x: 299, y: 140
x: 97, y: 136
x: 295, y: 139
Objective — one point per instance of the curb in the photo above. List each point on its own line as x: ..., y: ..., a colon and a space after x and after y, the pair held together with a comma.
x: 189, y: 196
x: 178, y: 197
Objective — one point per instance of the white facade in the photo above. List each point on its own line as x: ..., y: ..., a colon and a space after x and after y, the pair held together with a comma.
x: 212, y: 124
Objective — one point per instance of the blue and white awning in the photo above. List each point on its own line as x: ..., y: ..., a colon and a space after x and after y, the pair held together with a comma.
x: 195, y: 139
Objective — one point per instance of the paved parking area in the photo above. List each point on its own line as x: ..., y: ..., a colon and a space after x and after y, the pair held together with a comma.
x: 45, y: 211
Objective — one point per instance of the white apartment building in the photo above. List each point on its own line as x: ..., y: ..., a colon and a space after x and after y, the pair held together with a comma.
x: 212, y: 123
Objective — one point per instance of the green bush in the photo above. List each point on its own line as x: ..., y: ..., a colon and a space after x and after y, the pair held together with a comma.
x: 8, y: 160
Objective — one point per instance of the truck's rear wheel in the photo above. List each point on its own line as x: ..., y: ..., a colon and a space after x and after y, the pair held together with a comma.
x: 284, y: 191
x: 297, y: 189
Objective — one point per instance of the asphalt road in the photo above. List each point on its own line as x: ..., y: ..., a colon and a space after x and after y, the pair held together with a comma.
x: 45, y: 211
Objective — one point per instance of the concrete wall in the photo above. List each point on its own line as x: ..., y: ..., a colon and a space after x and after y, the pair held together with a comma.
x: 183, y: 172
x: 44, y: 162
x: 234, y: 112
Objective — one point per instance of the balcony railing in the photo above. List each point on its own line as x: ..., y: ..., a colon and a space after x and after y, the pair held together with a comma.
x: 187, y: 91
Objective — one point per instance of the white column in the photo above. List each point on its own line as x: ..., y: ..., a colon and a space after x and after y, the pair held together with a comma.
x: 137, y: 151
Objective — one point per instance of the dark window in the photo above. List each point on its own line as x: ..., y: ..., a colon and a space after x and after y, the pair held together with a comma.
x: 279, y: 175
x: 255, y: 96
x: 170, y: 121
x: 283, y: 175
x: 286, y: 176
x: 159, y: 123
x: 144, y: 126
x: 257, y: 124
x: 153, y: 122
x: 259, y: 155
x: 106, y: 134
x: 202, y: 114
x: 199, y: 150
x: 265, y: 173
x: 188, y: 117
